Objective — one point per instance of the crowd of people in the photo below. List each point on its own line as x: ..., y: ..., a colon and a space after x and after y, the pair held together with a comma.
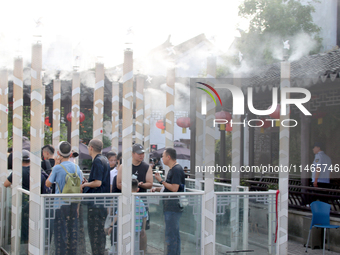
x: 60, y: 175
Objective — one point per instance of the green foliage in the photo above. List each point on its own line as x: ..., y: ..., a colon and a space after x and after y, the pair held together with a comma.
x: 270, y: 23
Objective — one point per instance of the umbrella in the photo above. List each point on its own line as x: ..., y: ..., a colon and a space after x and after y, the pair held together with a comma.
x: 107, y: 149
x: 182, y: 153
x: 83, y: 152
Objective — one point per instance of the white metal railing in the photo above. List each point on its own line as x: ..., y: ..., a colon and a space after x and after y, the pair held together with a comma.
x: 239, y: 204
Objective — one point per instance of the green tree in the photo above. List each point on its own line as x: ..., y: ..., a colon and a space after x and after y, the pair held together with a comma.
x: 271, y: 22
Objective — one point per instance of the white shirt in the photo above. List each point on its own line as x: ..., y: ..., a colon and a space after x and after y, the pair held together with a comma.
x: 324, y: 162
x: 113, y: 173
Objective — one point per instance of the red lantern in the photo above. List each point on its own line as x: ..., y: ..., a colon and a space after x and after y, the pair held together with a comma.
x: 47, y: 121
x: 222, y: 115
x: 228, y: 128
x: 81, y: 117
x: 183, y: 122
x: 276, y: 113
x: 160, y: 125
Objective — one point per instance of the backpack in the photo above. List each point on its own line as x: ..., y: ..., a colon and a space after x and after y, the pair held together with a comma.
x: 72, y: 183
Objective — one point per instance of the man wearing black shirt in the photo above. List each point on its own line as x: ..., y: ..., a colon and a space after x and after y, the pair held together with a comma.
x: 99, y: 182
x: 175, y: 182
x: 143, y: 172
x: 140, y: 169
x: 25, y: 199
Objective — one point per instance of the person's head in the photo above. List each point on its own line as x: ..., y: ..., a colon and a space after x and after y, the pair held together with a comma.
x: 119, y: 158
x: 95, y: 147
x: 26, y: 158
x: 137, y: 153
x: 48, y: 151
x: 185, y: 168
x: 317, y: 147
x: 134, y: 186
x: 169, y: 156
x: 112, y: 157
x: 64, y: 149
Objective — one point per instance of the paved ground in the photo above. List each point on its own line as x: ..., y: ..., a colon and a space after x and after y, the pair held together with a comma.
x: 295, y: 248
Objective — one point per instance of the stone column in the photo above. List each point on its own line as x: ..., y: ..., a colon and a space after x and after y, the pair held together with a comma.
x: 35, y: 157
x: 209, y: 160
x: 75, y: 113
x: 56, y: 114
x: 98, y: 103
x: 3, y: 146
x: 127, y: 152
x: 147, y: 114
x: 139, y: 109
x: 115, y: 117
x: 284, y: 161
x: 170, y: 108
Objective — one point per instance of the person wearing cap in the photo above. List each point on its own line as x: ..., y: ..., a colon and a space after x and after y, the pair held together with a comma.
x: 322, y: 164
x: 99, y: 182
x: 142, y: 170
x: 25, y: 199
x: 66, y: 217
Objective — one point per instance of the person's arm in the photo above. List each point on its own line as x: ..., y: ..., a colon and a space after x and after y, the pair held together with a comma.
x: 119, y: 177
x: 93, y: 184
x: 7, y: 183
x: 148, y: 180
x: 317, y: 172
x: 158, y: 189
x: 50, y: 180
x: 172, y: 187
x: 48, y: 184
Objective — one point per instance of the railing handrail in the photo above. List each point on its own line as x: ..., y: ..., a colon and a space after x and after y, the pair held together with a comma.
x: 27, y: 192
x: 269, y: 192
x: 120, y: 194
x: 173, y: 194
x: 84, y: 195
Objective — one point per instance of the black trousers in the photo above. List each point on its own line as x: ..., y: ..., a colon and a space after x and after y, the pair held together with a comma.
x: 66, y: 230
x: 96, y: 221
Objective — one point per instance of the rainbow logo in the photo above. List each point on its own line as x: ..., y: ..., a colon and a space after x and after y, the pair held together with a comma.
x: 209, y: 93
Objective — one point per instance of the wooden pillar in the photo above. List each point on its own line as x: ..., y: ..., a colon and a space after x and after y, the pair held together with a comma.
x: 139, y: 109
x: 115, y: 117
x: 147, y: 114
x: 35, y: 157
x: 127, y: 152
x: 284, y: 162
x: 98, y: 103
x: 209, y: 160
x: 170, y: 108
x: 3, y: 146
x: 56, y: 114
x: 75, y: 112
